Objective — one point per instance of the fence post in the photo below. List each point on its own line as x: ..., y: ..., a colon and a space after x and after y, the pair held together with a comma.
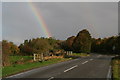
x: 34, y: 57
x: 42, y: 57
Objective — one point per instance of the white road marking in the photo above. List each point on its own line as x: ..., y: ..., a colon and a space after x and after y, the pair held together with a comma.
x: 91, y: 59
x: 109, y: 73
x: 18, y: 74
x: 50, y: 78
x: 84, y: 62
x: 70, y: 68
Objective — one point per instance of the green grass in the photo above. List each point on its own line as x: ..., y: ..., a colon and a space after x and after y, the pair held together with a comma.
x: 18, y: 58
x: 9, y: 70
x: 116, y: 68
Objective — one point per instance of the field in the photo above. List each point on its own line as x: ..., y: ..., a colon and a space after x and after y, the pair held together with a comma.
x: 17, y: 68
x: 116, y: 68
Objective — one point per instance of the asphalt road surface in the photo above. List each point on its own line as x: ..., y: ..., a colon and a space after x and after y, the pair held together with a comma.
x: 94, y: 66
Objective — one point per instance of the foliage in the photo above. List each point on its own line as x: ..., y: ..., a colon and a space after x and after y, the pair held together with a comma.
x: 82, y: 42
x: 39, y: 45
x: 109, y: 45
x: 67, y: 45
x: 8, y: 48
x: 117, y: 45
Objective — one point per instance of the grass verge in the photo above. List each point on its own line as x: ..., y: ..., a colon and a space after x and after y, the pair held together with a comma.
x: 10, y: 70
x: 116, y: 68
x: 18, y: 58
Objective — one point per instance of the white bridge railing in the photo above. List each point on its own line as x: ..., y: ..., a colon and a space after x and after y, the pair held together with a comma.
x: 68, y: 52
x: 38, y: 57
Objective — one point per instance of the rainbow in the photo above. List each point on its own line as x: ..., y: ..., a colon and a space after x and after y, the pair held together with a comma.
x: 40, y: 19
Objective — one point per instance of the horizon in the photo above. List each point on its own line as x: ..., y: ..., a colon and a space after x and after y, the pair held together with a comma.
x: 55, y: 38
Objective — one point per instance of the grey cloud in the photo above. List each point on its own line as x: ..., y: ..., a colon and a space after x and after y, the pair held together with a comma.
x: 63, y: 19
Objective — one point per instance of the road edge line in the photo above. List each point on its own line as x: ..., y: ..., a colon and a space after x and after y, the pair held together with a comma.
x: 109, y: 73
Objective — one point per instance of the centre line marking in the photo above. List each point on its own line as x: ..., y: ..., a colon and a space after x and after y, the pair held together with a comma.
x: 50, y: 78
x: 84, y: 62
x: 70, y: 68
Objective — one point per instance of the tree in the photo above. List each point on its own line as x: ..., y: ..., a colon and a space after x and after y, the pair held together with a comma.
x: 106, y: 45
x: 14, y: 49
x: 5, y: 53
x: 8, y: 48
x: 117, y: 45
x: 69, y: 43
x: 41, y: 46
x: 82, y: 43
x: 38, y: 45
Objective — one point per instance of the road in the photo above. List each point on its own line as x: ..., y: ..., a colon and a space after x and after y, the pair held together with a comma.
x: 94, y: 66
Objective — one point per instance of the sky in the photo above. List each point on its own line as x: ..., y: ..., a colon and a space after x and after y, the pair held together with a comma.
x: 63, y: 19
x: 0, y: 21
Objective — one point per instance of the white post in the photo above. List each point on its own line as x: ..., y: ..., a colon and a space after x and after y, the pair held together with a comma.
x: 34, y: 57
x: 67, y: 52
x: 41, y: 56
x: 37, y: 57
x: 71, y: 52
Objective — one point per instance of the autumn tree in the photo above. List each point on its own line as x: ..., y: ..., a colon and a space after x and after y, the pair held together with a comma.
x: 67, y: 45
x: 82, y: 42
x: 8, y: 48
x: 14, y: 49
x: 55, y: 44
x: 97, y: 44
x: 106, y: 45
x: 39, y: 45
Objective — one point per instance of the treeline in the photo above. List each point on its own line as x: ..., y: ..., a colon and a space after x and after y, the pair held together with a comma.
x: 106, y: 45
x: 29, y: 47
x: 80, y: 43
x: 39, y: 45
x: 84, y: 43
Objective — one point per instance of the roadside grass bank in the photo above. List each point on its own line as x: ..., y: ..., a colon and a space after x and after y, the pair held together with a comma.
x: 17, y: 68
x: 116, y: 68
x: 20, y: 59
